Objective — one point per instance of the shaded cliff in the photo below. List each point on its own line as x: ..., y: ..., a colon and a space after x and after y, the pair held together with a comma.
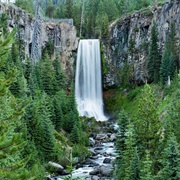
x: 129, y: 42
x: 61, y: 34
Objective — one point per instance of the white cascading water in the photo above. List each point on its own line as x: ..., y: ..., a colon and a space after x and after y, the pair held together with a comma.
x: 88, y: 84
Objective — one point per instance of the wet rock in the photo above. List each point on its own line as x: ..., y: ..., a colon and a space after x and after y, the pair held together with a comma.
x: 101, y: 136
x: 113, y: 137
x: 64, y: 173
x: 57, y: 166
x: 94, y: 172
x: 107, y: 160
x: 105, y: 154
x: 94, y: 157
x: 92, y: 142
x: 98, y: 148
x: 79, y: 166
x: 95, y: 178
x: 93, y: 152
x: 105, y: 170
x: 48, y: 177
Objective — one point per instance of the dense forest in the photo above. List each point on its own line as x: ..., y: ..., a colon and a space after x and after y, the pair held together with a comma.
x: 39, y: 121
x: 91, y: 17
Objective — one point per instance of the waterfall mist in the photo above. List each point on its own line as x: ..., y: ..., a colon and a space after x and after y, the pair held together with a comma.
x: 88, y: 83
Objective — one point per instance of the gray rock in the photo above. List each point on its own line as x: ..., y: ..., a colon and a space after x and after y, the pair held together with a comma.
x: 138, y: 26
x: 95, y: 178
x: 94, y: 172
x: 113, y: 137
x: 64, y: 172
x: 92, y: 142
x: 98, y: 148
x: 56, y: 166
x: 107, y: 161
x: 105, y: 170
x: 93, y: 152
x: 101, y: 136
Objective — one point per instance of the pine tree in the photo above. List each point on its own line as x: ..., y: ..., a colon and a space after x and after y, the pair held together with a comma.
x: 105, y: 29
x: 172, y: 46
x: 47, y: 76
x: 60, y: 78
x: 146, y: 169
x: 69, y: 9
x: 167, y: 66
x: 154, y: 60
x: 147, y: 125
x: 129, y: 156
x: 170, y: 160
x: 123, y: 120
x: 13, y: 165
x: 3, y: 23
x: 41, y: 129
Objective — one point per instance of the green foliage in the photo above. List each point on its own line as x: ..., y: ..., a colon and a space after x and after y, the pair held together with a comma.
x: 47, y: 76
x: 3, y: 23
x: 147, y: 125
x: 12, y: 144
x: 123, y: 121
x: 170, y: 160
x: 172, y: 45
x: 69, y: 9
x: 154, y: 61
x: 146, y: 169
x: 27, y: 5
x: 167, y: 66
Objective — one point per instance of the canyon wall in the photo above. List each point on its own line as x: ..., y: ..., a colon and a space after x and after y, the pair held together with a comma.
x: 61, y: 34
x: 136, y: 29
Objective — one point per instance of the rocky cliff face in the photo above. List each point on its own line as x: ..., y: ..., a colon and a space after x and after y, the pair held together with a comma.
x: 61, y: 34
x: 135, y: 29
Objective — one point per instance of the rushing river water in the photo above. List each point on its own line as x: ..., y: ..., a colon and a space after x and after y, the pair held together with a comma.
x: 105, y: 150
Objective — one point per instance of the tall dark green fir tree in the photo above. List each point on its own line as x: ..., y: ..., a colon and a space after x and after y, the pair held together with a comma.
x: 154, y: 61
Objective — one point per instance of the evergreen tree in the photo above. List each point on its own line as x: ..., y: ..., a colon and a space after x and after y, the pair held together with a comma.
x: 47, y: 76
x: 58, y: 112
x: 167, y: 66
x: 172, y: 46
x: 154, y: 61
x: 146, y: 169
x: 41, y: 129
x: 13, y: 165
x: 170, y: 160
x: 129, y: 156
x: 147, y: 125
x: 123, y: 120
x: 3, y: 23
x: 60, y: 78
x: 105, y: 28
x: 69, y: 9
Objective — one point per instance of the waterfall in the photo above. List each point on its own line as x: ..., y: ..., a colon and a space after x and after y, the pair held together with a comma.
x: 88, y: 83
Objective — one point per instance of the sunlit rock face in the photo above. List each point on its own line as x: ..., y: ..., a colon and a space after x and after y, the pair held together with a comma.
x: 88, y: 84
x: 138, y: 26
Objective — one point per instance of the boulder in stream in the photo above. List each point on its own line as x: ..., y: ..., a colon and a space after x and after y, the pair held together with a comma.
x: 101, y: 136
x: 107, y: 161
x: 94, y: 172
x: 95, y: 178
x: 113, y: 137
x: 105, y: 170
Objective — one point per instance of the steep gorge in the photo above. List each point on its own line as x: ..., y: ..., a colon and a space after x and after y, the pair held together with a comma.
x: 131, y: 29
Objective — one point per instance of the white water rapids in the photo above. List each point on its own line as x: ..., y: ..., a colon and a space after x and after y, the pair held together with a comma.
x: 88, y: 83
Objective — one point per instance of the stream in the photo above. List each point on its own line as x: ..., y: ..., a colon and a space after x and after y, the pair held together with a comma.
x: 100, y: 166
